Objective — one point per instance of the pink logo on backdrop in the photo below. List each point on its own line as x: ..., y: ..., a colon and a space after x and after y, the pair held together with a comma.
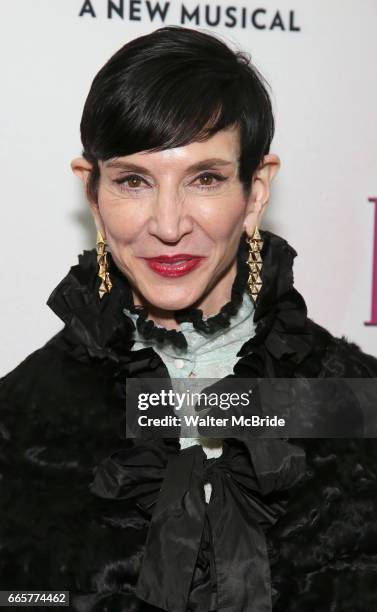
x: 373, y: 318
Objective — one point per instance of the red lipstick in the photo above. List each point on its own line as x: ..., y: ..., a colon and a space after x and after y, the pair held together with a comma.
x: 173, y: 265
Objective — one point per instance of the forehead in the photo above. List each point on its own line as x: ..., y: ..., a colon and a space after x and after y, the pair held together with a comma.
x: 221, y: 149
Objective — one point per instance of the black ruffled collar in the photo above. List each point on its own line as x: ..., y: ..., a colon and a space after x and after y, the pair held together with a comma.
x: 222, y: 320
x: 99, y: 328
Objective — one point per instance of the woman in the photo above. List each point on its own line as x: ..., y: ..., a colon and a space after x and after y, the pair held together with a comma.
x: 176, y: 133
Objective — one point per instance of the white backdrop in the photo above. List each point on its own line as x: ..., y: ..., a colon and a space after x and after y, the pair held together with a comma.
x: 322, y: 70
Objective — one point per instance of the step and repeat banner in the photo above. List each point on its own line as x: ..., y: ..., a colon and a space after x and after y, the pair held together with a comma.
x: 319, y: 58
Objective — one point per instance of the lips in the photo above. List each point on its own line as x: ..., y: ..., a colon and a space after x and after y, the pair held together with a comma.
x: 174, y: 265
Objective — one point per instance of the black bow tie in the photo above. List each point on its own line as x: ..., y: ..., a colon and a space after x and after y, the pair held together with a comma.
x: 248, y: 482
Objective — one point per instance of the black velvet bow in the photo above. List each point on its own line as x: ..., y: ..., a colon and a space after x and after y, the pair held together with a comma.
x: 248, y: 481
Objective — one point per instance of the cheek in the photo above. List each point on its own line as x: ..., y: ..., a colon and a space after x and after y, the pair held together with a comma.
x: 123, y: 221
x: 223, y: 217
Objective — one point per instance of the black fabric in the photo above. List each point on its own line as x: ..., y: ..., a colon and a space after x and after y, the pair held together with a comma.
x: 79, y: 513
x: 242, y: 503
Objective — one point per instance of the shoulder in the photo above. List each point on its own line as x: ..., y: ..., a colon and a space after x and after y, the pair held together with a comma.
x: 49, y: 372
x: 345, y: 358
x: 339, y: 356
x: 34, y: 371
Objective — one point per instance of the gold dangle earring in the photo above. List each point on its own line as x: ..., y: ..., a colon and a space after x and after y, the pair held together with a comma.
x: 103, y: 266
x: 254, y: 261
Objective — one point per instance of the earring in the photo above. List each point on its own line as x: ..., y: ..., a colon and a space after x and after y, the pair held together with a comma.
x: 254, y: 261
x: 103, y: 266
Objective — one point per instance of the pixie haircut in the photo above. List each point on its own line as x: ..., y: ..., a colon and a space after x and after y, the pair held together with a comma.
x: 170, y: 88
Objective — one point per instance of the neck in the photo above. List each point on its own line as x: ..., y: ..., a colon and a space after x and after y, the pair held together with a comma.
x: 210, y: 303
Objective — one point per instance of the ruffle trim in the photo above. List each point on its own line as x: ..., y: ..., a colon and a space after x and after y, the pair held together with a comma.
x: 222, y: 320
x: 100, y: 329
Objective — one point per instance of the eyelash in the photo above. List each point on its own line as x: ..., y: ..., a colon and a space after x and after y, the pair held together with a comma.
x: 219, y: 177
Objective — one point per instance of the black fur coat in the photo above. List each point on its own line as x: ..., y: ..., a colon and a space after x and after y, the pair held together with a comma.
x: 291, y: 525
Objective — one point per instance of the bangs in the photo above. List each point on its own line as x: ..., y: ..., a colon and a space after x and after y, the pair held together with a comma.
x: 164, y: 111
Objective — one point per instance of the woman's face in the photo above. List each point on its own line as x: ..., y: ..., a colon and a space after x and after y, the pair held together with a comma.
x: 173, y: 220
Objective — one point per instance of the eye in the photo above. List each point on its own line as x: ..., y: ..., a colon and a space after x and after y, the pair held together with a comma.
x: 134, y: 181
x: 209, y: 180
x: 206, y: 179
x: 131, y: 181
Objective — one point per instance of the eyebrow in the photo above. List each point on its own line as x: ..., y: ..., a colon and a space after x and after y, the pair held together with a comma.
x: 205, y: 163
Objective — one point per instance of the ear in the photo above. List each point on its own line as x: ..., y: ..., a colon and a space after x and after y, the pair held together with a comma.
x: 82, y: 168
x: 260, y: 191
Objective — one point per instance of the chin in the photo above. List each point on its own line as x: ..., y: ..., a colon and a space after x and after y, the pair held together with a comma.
x: 170, y: 300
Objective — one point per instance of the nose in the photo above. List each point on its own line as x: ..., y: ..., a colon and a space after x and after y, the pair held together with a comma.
x: 169, y: 220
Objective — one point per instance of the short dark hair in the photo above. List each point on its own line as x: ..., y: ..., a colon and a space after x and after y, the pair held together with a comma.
x: 170, y: 88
